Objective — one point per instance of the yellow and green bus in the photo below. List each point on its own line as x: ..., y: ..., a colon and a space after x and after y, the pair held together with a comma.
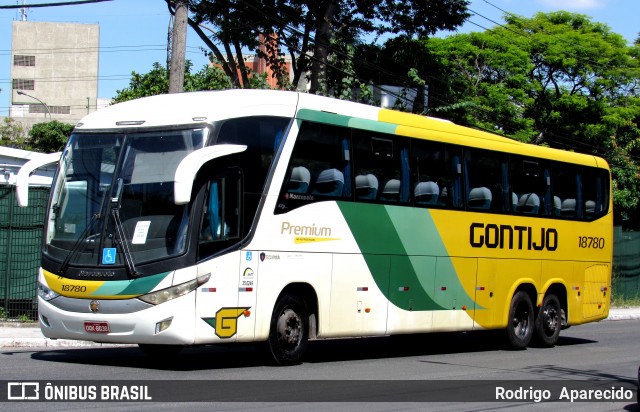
x: 253, y: 215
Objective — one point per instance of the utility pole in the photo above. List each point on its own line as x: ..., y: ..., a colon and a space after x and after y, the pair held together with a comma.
x: 178, y: 47
x: 23, y: 11
x: 169, y: 41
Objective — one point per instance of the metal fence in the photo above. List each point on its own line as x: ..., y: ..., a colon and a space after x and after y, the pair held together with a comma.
x: 21, y: 232
x: 625, y: 282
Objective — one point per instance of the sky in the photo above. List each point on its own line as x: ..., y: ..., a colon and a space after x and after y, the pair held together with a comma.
x: 133, y: 33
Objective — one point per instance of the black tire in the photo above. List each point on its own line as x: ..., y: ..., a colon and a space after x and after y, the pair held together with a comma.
x: 160, y: 351
x: 520, y: 323
x: 289, y: 332
x: 548, y: 321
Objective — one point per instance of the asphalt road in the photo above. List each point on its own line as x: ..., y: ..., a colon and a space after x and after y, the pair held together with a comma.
x: 453, y: 366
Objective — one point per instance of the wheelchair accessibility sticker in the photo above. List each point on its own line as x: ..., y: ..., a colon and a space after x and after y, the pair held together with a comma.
x: 109, y: 256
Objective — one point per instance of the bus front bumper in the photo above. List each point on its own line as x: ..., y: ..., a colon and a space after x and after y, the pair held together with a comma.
x: 129, y: 321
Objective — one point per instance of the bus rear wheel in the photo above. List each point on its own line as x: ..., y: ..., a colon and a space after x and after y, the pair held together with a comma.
x: 520, y: 323
x: 289, y: 332
x: 548, y: 321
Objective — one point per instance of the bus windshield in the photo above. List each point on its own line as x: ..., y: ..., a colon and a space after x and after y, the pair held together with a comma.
x: 112, y: 199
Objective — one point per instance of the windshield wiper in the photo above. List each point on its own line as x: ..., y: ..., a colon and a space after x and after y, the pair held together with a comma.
x: 122, y: 240
x: 122, y: 237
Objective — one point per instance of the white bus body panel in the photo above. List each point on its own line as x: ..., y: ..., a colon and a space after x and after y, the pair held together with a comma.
x: 221, y: 291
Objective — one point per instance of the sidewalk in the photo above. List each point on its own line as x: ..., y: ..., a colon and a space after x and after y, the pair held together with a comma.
x: 28, y: 335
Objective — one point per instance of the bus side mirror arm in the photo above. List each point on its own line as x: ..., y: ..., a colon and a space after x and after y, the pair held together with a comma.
x: 22, y: 179
x: 189, y: 166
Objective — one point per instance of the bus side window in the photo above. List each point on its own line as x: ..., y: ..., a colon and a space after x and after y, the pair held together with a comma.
x: 566, y: 180
x: 531, y: 187
x: 381, y: 167
x: 486, y: 180
x: 319, y: 168
x: 220, y: 213
x: 435, y: 172
x: 595, y: 186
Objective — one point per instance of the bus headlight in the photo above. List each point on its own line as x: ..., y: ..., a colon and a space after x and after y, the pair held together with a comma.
x: 45, y: 293
x: 161, y: 296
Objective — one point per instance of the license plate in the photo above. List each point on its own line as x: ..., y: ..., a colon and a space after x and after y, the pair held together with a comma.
x: 96, y: 327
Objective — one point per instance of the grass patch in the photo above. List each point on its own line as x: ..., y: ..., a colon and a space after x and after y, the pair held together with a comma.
x: 625, y: 301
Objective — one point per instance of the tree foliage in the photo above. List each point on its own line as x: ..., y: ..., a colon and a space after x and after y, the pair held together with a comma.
x: 557, y: 79
x: 12, y: 133
x: 316, y: 35
x: 156, y: 82
x: 49, y: 137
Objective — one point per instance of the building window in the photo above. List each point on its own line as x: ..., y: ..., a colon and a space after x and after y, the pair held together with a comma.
x: 21, y: 60
x: 23, y: 84
x: 39, y: 108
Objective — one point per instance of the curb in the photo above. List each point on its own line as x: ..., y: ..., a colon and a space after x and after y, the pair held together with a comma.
x: 624, y: 314
x: 51, y: 343
x: 28, y: 335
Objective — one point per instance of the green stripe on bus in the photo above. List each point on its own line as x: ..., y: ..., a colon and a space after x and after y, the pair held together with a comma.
x: 411, y: 241
x: 131, y: 287
x: 346, y: 121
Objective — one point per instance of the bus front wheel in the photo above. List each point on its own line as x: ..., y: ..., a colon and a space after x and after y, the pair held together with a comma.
x: 520, y: 322
x: 548, y: 321
x: 289, y: 332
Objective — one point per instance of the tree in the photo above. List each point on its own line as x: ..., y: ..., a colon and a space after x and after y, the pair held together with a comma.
x: 312, y: 32
x: 481, y: 80
x: 557, y: 79
x: 12, y: 134
x: 157, y: 82
x: 142, y: 85
x: 49, y: 137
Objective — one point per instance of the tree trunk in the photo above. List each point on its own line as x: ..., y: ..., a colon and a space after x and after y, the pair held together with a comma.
x: 321, y: 50
x: 178, y: 48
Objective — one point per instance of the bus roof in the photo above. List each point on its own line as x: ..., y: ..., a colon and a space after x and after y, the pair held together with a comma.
x: 195, y: 108
x: 190, y: 108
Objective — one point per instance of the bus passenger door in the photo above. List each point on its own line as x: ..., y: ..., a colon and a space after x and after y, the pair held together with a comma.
x: 220, y: 317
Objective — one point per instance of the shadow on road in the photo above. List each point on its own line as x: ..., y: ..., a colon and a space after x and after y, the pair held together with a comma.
x: 322, y: 351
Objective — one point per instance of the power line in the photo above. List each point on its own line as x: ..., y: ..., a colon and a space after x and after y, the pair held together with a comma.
x: 99, y: 49
x: 61, y: 3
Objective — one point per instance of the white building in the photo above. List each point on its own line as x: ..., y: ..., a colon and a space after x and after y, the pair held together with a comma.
x: 54, y: 71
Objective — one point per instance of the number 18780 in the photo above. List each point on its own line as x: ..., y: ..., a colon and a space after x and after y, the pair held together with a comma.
x: 591, y: 242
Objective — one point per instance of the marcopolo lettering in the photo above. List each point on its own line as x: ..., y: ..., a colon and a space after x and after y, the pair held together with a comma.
x: 495, y: 236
